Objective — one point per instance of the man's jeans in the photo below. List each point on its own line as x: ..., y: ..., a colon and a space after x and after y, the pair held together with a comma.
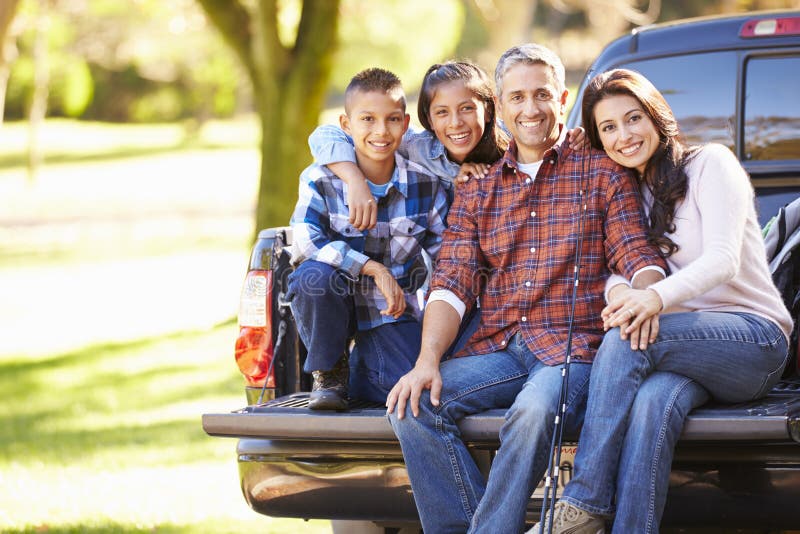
x: 322, y: 304
x: 450, y: 492
x: 635, y: 415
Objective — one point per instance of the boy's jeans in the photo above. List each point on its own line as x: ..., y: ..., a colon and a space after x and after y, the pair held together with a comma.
x: 322, y: 305
x: 635, y: 415
x: 450, y: 492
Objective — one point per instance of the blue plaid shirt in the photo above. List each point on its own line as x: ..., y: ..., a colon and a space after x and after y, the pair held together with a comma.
x: 411, y: 217
x: 330, y: 144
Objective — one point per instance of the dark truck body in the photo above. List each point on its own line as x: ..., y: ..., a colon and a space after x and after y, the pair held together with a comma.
x: 736, y: 466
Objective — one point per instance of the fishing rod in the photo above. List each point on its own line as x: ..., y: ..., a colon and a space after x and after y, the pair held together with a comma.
x: 554, y: 464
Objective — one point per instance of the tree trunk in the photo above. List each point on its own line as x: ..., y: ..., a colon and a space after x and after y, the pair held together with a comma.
x: 289, y: 87
x: 7, y: 10
x: 41, y: 89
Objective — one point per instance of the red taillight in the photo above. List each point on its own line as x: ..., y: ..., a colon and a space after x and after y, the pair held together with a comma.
x: 254, y: 345
x: 254, y: 350
x: 770, y: 27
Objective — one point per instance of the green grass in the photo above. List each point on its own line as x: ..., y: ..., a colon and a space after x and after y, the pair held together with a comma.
x: 100, y: 428
x: 108, y: 439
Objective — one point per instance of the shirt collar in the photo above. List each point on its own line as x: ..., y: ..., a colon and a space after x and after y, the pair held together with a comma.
x: 437, y: 150
x: 557, y: 151
x: 398, y: 181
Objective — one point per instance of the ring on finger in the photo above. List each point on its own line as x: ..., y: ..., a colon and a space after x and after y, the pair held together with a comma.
x: 631, y: 313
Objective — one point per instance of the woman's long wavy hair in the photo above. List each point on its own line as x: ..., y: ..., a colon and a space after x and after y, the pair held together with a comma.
x: 494, y: 141
x: 665, y: 174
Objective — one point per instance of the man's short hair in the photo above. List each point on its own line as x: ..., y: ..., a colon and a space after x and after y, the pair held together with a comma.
x: 530, y: 54
x: 374, y: 79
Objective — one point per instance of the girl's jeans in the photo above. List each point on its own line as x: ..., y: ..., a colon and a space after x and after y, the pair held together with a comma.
x: 639, y: 399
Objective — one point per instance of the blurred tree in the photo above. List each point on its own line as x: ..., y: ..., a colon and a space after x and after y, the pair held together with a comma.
x: 8, y: 9
x: 289, y: 85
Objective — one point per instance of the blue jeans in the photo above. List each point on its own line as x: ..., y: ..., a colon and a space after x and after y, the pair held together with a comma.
x: 321, y: 300
x: 450, y: 492
x: 635, y: 415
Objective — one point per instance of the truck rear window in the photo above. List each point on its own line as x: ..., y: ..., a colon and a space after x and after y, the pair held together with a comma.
x: 772, y: 108
x: 701, y: 90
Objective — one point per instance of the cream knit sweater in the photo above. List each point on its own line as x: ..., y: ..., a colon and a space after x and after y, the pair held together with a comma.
x: 721, y: 264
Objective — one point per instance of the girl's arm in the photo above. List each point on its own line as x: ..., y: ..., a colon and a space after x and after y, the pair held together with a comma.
x: 332, y: 147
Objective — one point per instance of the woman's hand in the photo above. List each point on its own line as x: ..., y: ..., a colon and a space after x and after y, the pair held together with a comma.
x: 471, y: 170
x: 577, y: 139
x: 363, y: 207
x: 634, y: 310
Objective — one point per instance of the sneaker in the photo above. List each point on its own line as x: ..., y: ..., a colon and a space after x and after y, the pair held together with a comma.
x: 329, y: 391
x: 570, y: 519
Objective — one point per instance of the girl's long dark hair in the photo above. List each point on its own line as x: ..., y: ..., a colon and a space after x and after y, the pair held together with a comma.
x: 494, y: 141
x: 665, y: 172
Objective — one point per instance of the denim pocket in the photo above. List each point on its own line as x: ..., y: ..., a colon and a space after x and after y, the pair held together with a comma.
x: 773, y: 376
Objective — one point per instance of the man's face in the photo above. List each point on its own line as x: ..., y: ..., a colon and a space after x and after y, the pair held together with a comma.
x: 532, y: 109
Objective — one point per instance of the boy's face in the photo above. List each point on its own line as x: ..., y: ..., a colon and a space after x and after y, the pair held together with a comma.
x: 376, y: 121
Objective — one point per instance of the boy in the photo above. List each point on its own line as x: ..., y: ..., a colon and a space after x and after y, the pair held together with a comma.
x: 362, y: 284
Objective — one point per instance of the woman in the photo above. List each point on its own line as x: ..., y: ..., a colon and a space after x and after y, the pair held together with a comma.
x: 722, y: 330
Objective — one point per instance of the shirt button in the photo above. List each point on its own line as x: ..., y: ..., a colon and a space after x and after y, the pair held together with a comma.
x: 552, y: 161
x: 503, y: 342
x: 528, y: 180
x: 533, y: 214
x: 527, y: 284
x: 524, y: 318
x: 533, y: 249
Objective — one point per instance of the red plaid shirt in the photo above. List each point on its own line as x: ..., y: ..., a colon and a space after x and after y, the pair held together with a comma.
x: 511, y: 241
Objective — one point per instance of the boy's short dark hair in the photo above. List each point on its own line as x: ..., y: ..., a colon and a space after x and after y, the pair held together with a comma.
x: 374, y: 79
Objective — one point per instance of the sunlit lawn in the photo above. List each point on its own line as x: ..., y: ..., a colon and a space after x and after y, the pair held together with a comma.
x: 119, y: 274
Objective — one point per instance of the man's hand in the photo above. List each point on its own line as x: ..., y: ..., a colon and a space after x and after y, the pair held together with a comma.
x: 424, y: 375
x: 363, y: 207
x: 471, y: 170
x: 388, y: 286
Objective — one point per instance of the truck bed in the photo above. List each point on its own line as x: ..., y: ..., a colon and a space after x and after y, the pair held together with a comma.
x: 295, y: 462
x: 775, y: 417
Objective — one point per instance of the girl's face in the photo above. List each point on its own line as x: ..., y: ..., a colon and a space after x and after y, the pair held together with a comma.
x: 458, y: 119
x: 627, y: 133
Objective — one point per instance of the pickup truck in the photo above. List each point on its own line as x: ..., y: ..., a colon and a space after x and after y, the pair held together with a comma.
x: 733, y: 80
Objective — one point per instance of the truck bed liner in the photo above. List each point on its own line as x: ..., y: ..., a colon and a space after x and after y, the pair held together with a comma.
x: 774, y: 418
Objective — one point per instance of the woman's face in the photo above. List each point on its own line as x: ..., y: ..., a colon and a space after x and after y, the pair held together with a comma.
x: 628, y: 135
x: 458, y: 119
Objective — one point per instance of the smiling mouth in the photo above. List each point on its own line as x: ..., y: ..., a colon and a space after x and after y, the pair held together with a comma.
x: 530, y: 124
x: 458, y: 138
x: 379, y: 145
x: 627, y: 151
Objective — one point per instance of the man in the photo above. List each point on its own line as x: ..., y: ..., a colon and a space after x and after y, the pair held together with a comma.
x: 511, y: 244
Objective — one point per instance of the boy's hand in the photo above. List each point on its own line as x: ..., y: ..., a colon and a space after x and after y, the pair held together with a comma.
x: 388, y: 286
x: 363, y: 206
x: 577, y: 139
x: 471, y: 170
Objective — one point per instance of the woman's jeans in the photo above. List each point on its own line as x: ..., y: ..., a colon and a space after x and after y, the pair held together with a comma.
x: 450, y: 492
x: 639, y: 400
